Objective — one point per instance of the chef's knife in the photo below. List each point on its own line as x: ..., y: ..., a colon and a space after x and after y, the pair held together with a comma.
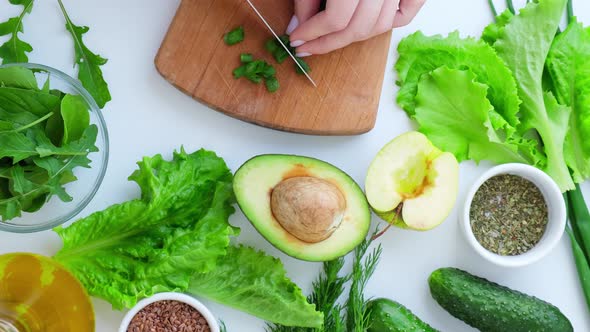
x: 281, y: 42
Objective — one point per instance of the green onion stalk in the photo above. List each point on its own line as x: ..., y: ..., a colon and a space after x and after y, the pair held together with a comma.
x: 578, y: 227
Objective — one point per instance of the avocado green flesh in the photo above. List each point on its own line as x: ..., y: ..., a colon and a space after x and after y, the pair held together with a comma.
x: 490, y: 307
x: 253, y: 185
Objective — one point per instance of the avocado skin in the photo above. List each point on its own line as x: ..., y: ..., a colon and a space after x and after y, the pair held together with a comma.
x: 490, y: 307
x: 389, y: 316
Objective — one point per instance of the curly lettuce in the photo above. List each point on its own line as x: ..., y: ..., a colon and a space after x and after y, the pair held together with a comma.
x: 180, y: 226
x: 447, y: 99
x: 487, y: 98
x: 420, y: 54
x: 569, y: 71
x: 523, y: 43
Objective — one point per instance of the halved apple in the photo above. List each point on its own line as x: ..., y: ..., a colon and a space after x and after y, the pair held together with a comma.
x: 411, y: 183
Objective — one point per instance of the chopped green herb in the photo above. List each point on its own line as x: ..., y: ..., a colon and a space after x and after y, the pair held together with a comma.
x: 271, y: 45
x: 239, y: 72
x: 272, y: 84
x: 235, y: 36
x: 268, y: 71
x: 254, y: 78
x: 280, y: 54
x: 257, y: 70
x: 303, y: 64
x: 246, y: 57
x: 508, y: 215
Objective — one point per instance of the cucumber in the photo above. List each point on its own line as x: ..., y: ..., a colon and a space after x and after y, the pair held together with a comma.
x: 490, y: 307
x: 389, y: 316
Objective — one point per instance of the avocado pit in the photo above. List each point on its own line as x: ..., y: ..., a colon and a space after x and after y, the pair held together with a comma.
x: 309, y: 208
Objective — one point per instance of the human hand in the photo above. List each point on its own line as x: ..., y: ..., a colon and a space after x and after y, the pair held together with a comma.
x: 344, y: 22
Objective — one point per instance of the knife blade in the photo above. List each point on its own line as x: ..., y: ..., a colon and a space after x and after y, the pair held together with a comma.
x: 281, y: 42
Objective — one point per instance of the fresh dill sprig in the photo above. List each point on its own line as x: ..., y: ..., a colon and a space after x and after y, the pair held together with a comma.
x: 362, y: 270
x: 326, y: 292
x: 329, y: 287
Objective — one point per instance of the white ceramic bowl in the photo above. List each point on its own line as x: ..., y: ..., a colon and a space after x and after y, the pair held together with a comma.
x: 555, y: 205
x: 213, y: 324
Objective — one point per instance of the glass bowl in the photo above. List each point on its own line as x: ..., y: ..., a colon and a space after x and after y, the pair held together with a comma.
x: 56, y: 212
x: 39, y: 295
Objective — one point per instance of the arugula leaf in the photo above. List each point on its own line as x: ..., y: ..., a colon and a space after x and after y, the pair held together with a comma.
x: 31, y: 187
x: 76, y: 117
x: 154, y: 244
x: 22, y: 186
x: 89, y: 72
x: 16, y: 145
x: 15, y: 49
x: 18, y: 77
x: 32, y: 166
x: 569, y: 71
x: 17, y: 100
x: 453, y: 111
x: 256, y: 283
x: 524, y: 43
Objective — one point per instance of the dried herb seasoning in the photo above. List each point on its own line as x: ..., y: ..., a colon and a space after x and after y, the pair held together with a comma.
x: 508, y: 215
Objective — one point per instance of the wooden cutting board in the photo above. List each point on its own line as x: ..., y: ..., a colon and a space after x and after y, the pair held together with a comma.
x: 194, y: 58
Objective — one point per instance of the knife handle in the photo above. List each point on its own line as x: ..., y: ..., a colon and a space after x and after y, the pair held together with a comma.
x: 323, y: 5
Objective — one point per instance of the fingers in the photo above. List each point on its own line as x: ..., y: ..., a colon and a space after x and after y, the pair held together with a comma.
x: 407, y: 11
x: 386, y: 17
x: 304, y: 9
x: 360, y: 27
x: 336, y: 17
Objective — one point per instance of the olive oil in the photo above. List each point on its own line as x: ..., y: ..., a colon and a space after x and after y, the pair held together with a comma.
x: 38, y: 295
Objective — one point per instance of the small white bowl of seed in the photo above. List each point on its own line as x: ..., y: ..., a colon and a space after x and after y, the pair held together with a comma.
x: 513, y: 215
x: 169, y: 312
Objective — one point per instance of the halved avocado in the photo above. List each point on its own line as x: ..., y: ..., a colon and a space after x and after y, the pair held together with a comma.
x: 307, y: 208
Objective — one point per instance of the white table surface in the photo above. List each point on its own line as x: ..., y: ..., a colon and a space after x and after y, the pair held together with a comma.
x: 149, y: 116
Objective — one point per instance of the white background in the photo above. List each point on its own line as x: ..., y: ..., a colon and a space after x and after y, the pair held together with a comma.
x: 149, y: 116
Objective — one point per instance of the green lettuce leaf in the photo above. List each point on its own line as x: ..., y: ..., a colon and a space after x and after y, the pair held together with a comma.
x: 420, y: 55
x: 154, y: 244
x: 15, y: 49
x: 568, y: 67
x: 493, y: 31
x: 453, y: 111
x: 256, y: 283
x: 523, y: 43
